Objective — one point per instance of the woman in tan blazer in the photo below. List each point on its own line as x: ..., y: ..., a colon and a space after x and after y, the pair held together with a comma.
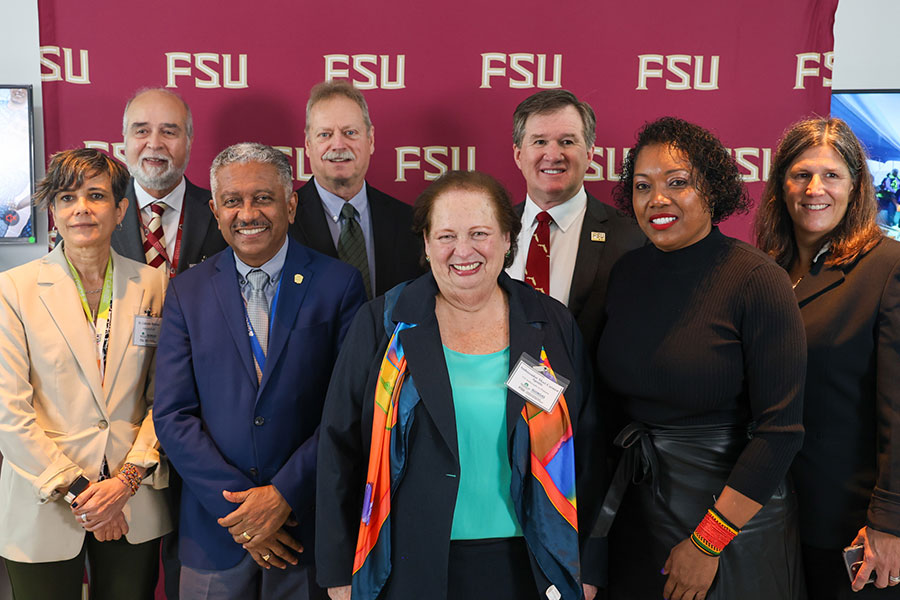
x: 77, y: 344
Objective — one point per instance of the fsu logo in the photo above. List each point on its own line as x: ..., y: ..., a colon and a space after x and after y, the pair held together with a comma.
x: 53, y: 70
x: 493, y: 64
x: 338, y: 66
x: 677, y: 71
x: 435, y: 156
x: 217, y: 68
x: 804, y: 70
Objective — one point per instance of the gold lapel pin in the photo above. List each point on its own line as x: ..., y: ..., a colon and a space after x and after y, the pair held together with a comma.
x: 298, y: 278
x: 598, y: 236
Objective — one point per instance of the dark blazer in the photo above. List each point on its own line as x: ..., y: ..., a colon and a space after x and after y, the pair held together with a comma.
x: 848, y: 472
x: 397, y: 249
x: 200, y: 236
x: 220, y: 428
x: 594, y: 261
x: 423, y: 504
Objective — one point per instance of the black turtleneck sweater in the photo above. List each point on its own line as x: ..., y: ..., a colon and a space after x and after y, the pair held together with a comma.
x: 709, y: 335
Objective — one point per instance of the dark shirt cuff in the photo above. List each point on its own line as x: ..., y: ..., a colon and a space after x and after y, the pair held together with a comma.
x: 884, y: 512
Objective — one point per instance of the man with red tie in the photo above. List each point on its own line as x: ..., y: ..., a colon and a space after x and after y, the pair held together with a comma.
x: 569, y: 239
x: 168, y: 223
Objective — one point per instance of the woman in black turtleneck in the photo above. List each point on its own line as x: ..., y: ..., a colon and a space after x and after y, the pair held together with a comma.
x: 704, y: 353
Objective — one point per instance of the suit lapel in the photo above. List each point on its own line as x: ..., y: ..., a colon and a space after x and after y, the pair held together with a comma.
x: 197, y: 221
x: 587, y: 260
x: 383, y: 232
x: 819, y: 280
x: 425, y: 356
x: 312, y: 222
x: 61, y: 300
x: 523, y: 337
x: 231, y: 304
x: 127, y: 239
x: 126, y: 303
x: 290, y: 298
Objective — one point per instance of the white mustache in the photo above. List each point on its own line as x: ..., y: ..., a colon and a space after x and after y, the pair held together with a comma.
x: 339, y: 155
x: 154, y: 157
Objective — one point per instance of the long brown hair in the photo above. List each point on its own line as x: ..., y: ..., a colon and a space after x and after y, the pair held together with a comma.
x: 857, y: 233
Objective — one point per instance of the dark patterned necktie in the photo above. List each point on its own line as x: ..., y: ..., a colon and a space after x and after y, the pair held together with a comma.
x: 352, y: 245
x: 537, y: 266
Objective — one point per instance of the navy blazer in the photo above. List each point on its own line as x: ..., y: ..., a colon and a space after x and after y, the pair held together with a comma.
x: 200, y: 236
x: 422, y: 505
x: 397, y: 249
x: 221, y: 429
x: 847, y: 473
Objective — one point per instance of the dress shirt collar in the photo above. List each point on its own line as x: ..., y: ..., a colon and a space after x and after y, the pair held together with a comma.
x: 333, y: 203
x: 173, y: 199
x: 564, y: 214
x: 272, y: 267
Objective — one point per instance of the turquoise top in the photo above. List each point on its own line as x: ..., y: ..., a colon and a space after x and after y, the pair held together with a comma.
x: 484, y: 508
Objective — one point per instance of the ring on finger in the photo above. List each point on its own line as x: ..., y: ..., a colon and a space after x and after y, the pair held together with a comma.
x: 266, y: 558
x: 894, y: 580
x: 246, y: 536
x: 84, y: 517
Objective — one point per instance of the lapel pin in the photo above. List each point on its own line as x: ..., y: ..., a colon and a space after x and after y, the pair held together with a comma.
x: 598, y: 236
x: 298, y: 278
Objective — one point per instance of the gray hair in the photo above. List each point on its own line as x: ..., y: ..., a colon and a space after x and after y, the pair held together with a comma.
x: 248, y: 152
x: 188, y: 120
x: 331, y: 89
x: 547, y: 101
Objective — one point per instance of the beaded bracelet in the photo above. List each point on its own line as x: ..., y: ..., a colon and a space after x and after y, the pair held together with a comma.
x: 713, y: 533
x: 130, y: 476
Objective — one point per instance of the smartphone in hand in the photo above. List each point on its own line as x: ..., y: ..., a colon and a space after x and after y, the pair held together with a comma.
x: 853, y: 559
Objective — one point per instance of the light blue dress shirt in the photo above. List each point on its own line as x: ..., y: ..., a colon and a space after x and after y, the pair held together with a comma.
x: 333, y: 205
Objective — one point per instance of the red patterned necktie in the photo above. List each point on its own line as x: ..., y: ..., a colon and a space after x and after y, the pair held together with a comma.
x: 537, y: 266
x: 155, y: 253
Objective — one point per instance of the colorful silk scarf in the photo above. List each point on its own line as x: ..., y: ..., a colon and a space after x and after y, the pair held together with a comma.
x: 543, y: 448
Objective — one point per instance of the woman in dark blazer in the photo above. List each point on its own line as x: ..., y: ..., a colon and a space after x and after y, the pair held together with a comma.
x: 466, y: 308
x: 817, y: 220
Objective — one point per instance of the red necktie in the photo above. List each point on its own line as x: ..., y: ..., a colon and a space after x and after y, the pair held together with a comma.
x: 154, y: 242
x: 537, y: 266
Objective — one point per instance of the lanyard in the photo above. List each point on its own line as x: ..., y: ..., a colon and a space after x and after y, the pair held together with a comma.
x: 172, y: 264
x: 255, y: 346
x: 104, y: 311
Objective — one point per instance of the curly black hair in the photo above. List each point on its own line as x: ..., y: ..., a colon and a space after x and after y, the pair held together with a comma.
x: 714, y: 172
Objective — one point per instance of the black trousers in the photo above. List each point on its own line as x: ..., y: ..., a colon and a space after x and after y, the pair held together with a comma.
x: 117, y: 570
x: 497, y: 568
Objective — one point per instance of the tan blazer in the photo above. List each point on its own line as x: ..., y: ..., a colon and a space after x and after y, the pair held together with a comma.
x: 58, y: 420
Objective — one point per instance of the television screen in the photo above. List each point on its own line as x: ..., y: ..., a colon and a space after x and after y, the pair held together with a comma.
x: 874, y: 116
x: 16, y: 164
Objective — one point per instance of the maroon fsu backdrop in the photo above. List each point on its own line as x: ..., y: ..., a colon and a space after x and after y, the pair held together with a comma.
x: 441, y: 80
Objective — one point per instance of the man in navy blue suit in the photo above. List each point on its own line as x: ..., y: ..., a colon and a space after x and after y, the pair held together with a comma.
x: 248, y: 341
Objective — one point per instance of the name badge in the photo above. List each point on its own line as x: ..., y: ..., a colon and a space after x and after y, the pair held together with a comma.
x: 146, y: 330
x: 535, y: 383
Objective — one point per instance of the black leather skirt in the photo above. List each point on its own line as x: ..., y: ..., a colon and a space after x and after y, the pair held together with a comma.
x: 667, y: 479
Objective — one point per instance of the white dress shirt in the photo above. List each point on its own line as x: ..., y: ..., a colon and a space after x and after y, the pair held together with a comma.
x: 174, y: 202
x: 565, y: 231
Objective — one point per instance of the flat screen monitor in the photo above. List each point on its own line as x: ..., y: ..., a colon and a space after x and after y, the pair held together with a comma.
x: 16, y: 164
x: 874, y: 116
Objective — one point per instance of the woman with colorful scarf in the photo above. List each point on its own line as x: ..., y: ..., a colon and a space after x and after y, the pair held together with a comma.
x: 435, y: 479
